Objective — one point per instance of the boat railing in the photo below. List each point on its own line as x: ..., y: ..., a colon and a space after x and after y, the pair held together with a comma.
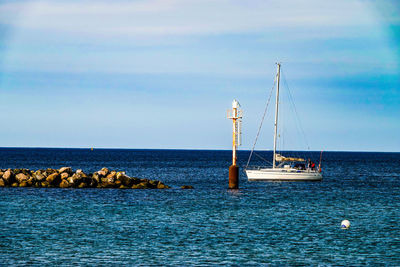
x: 255, y: 168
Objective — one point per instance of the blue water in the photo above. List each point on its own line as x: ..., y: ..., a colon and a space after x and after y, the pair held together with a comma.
x: 262, y: 223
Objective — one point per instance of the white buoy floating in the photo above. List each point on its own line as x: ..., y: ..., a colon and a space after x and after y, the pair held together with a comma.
x: 345, y: 224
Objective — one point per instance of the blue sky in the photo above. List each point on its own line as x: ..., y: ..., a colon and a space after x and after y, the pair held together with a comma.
x: 161, y: 74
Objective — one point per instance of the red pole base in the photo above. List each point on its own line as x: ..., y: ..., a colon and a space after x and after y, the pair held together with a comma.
x: 233, y: 177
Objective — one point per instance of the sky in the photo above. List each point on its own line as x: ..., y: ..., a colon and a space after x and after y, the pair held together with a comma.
x: 161, y: 74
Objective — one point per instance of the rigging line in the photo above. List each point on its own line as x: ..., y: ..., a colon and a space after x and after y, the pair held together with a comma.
x: 262, y: 120
x: 282, y: 129
x: 291, y: 105
x: 298, y: 124
x: 285, y: 130
x: 262, y: 158
x: 295, y: 110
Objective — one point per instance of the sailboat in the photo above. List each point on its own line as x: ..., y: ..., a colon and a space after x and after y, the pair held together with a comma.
x: 283, y: 168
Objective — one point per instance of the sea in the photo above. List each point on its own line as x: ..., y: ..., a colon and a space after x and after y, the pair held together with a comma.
x: 261, y: 223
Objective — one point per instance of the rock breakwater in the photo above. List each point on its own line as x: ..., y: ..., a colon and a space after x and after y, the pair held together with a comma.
x: 65, y: 177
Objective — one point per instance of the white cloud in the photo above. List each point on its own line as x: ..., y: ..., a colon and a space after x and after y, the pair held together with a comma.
x: 181, y: 17
x: 114, y: 36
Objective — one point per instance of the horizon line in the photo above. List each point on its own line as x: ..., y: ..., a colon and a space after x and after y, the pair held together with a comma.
x: 198, y: 149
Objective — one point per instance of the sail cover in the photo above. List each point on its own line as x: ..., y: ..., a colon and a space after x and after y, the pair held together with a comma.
x: 279, y: 157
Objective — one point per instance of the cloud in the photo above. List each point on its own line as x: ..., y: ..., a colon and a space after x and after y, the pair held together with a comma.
x: 180, y: 17
x: 185, y: 52
x: 191, y: 36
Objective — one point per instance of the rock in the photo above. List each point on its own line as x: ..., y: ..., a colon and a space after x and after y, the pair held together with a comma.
x: 87, y: 181
x: 75, y: 179
x: 30, y: 181
x: 70, y: 180
x: 96, y: 177
x: 8, y: 173
x: 153, y: 183
x: 50, y: 171
x: 160, y: 185
x: 142, y: 185
x: 65, y: 169
x: 106, y: 185
x: 103, y: 172
x: 53, y: 179
x: 26, y: 172
x: 126, y: 180
x: 135, y: 180
x: 38, y: 176
x: 92, y: 183
x: 8, y: 177
x: 64, y: 184
x: 187, y: 187
x: 20, y: 177
x: 112, y: 174
x: 82, y: 185
x: 84, y: 177
x: 64, y: 175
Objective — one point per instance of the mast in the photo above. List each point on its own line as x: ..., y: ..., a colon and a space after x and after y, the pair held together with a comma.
x: 276, y: 113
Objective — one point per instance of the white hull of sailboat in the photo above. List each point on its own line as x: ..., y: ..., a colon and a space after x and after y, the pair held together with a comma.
x: 280, y: 174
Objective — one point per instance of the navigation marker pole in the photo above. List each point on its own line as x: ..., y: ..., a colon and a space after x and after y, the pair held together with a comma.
x: 235, y: 115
